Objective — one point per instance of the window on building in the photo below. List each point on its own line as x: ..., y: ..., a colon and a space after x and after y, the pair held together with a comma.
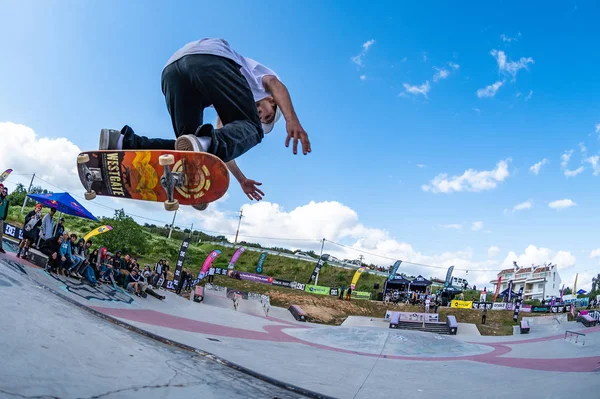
x: 540, y: 286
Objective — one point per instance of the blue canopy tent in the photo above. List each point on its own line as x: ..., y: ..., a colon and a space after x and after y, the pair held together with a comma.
x: 64, y: 203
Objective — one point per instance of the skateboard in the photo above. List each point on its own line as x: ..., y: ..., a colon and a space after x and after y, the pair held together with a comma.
x: 171, y: 177
x: 5, y: 174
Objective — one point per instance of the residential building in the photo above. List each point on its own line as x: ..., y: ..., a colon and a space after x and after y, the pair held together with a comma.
x: 532, y: 280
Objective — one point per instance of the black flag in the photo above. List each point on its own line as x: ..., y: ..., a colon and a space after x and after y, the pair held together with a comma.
x: 179, y: 267
x: 318, y: 267
x: 518, y: 304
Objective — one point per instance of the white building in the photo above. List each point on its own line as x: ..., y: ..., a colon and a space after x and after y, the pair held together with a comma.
x: 532, y: 281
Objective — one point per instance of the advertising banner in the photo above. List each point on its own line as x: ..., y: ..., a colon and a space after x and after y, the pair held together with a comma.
x: 318, y: 267
x: 412, y: 316
x: 317, y: 289
x: 518, y: 304
x: 334, y: 291
x: 261, y: 260
x: 356, y: 276
x: 235, y: 257
x: 498, y: 306
x: 394, y: 270
x: 540, y: 309
x: 497, y: 288
x: 95, y: 232
x: 482, y: 305
x: 297, y: 286
x: 257, y: 278
x: 282, y: 283
x: 461, y: 304
x: 526, y: 308
x: 13, y: 231
x: 179, y: 265
x: 448, y: 281
x: 360, y: 295
x: 208, y: 263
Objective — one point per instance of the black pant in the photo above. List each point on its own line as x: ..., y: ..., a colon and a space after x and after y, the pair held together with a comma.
x: 195, y: 82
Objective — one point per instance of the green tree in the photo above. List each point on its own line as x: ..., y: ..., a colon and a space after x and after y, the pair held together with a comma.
x: 568, y: 291
x: 126, y: 235
x: 17, y: 196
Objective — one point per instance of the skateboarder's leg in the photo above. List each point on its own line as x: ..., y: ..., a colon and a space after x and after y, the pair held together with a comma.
x: 219, y: 81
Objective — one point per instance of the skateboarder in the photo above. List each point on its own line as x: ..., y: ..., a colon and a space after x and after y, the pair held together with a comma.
x: 248, y: 97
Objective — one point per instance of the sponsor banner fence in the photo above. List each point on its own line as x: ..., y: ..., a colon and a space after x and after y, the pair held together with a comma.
x: 297, y: 286
x: 540, y: 309
x: 462, y: 304
x: 334, y: 291
x: 257, y: 278
x: 526, y: 308
x: 594, y: 315
x: 498, y: 306
x: 317, y: 289
x: 282, y: 283
x: 244, y: 294
x: 360, y: 295
x: 482, y: 305
x: 13, y: 231
x: 412, y: 316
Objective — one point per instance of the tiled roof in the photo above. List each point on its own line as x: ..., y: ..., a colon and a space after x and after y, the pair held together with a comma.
x: 524, y: 270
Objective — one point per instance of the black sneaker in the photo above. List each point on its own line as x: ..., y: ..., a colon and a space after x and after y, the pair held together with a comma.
x: 109, y: 139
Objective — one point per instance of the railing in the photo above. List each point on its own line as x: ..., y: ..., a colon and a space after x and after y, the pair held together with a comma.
x: 576, y: 334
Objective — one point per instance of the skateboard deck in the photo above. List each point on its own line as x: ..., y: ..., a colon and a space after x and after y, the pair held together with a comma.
x: 172, y: 177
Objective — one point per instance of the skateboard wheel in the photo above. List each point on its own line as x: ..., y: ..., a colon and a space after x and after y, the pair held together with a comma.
x: 84, y: 158
x: 90, y: 195
x: 171, y: 205
x: 166, y: 159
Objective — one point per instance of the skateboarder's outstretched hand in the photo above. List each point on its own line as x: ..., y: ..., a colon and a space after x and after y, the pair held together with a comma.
x: 296, y: 131
x: 253, y: 192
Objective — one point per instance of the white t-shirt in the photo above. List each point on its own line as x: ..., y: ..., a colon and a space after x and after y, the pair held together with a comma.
x: 252, y: 70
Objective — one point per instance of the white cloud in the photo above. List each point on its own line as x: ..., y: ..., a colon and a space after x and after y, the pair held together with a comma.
x: 509, y: 39
x: 423, y: 89
x: 420, y: 166
x: 584, y: 280
x: 440, y: 74
x: 562, y: 204
x: 595, y: 253
x: 510, y: 67
x: 476, y: 226
x: 470, y: 180
x: 597, y: 127
x: 477, y: 110
x: 489, y: 91
x: 535, y: 169
x: 52, y: 159
x: 583, y: 148
x: 363, y: 77
x: 566, y: 157
x: 539, y: 256
x: 522, y: 206
x: 358, y: 59
x: 529, y: 95
x: 493, y: 251
x: 573, y: 173
x: 455, y: 226
x: 453, y: 65
x: 593, y: 160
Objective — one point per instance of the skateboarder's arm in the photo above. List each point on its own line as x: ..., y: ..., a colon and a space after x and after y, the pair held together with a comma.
x: 283, y: 100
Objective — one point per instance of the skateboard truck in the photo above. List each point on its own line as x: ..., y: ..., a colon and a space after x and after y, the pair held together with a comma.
x: 90, y: 177
x: 169, y: 181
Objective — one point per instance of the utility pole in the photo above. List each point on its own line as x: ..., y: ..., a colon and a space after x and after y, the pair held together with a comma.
x: 360, y: 259
x: 172, y: 224
x: 192, y: 230
x: 238, y: 228
x: 28, y: 190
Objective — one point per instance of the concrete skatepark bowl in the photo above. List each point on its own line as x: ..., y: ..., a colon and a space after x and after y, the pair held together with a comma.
x: 64, y: 339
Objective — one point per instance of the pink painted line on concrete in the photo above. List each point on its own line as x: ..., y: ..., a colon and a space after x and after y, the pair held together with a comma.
x: 274, y: 333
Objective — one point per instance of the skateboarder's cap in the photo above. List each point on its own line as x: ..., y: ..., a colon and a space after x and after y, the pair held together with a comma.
x: 267, y: 127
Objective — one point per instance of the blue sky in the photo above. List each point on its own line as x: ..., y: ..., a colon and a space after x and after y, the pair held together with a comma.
x: 354, y: 70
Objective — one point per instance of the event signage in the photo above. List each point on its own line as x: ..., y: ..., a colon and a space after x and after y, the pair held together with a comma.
x: 499, y: 306
x: 282, y: 283
x: 334, y: 291
x: 318, y: 267
x: 297, y: 286
x: 413, y: 316
x: 317, y: 289
x: 462, y: 304
x: 235, y: 257
x: 518, y: 304
x: 394, y: 270
x: 482, y: 305
x: 261, y: 261
x: 13, y: 231
x: 540, y: 309
x: 526, y: 308
x: 360, y: 295
x: 448, y: 276
x: 257, y: 278
x: 179, y: 266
